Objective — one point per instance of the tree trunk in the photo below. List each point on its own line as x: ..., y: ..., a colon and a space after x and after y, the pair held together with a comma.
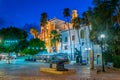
x: 61, y: 46
x: 92, y: 58
x: 70, y: 38
x: 78, y: 36
x: 8, y: 57
x: 56, y: 50
x: 74, y: 46
x: 44, y: 34
x: 80, y: 46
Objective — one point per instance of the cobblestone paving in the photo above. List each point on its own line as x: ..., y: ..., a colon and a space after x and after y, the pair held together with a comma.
x: 30, y: 71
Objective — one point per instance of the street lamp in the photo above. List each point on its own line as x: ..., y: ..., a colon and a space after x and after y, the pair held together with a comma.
x: 102, y: 36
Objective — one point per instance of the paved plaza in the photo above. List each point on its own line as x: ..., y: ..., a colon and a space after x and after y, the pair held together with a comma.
x: 21, y: 70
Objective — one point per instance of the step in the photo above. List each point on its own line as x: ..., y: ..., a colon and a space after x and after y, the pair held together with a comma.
x: 54, y: 71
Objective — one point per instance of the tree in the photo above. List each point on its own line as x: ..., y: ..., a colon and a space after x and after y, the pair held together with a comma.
x: 55, y: 39
x: 27, y: 27
x: 104, y: 20
x: 66, y: 14
x: 102, y: 17
x: 43, y: 22
x: 24, y: 45
x: 85, y: 20
x: 11, y: 38
x: 34, y: 32
x: 76, y: 25
x: 34, y: 46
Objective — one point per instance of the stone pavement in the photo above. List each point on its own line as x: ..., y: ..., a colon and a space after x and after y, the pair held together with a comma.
x: 30, y: 71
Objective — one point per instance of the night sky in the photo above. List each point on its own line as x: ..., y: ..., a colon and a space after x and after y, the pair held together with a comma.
x: 25, y: 14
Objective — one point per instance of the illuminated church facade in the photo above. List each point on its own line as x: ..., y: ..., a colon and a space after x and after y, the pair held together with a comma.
x: 68, y: 46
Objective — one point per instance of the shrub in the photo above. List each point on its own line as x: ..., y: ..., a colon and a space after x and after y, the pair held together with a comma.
x: 108, y: 57
x: 116, y: 61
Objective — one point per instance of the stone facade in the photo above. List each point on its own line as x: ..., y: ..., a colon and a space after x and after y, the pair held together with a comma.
x: 53, y: 24
x: 85, y: 45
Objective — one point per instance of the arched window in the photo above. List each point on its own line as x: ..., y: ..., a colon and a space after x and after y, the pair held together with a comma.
x: 82, y: 34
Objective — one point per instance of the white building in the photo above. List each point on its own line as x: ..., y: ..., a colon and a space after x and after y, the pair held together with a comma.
x: 69, y: 45
x: 82, y: 42
x: 85, y: 44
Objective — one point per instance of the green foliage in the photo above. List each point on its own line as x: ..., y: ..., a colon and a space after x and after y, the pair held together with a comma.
x: 22, y: 45
x: 25, y: 51
x: 101, y: 18
x: 66, y: 12
x: 11, y: 39
x: 34, y: 46
x: 108, y: 57
x: 112, y: 58
x: 3, y: 49
x: 43, y: 19
x: 114, y: 41
x: 55, y: 37
x: 85, y: 20
x: 76, y: 23
x: 116, y: 61
x: 12, y: 33
x: 30, y: 51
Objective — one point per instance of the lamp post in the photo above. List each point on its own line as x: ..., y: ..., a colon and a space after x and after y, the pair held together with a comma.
x: 102, y: 36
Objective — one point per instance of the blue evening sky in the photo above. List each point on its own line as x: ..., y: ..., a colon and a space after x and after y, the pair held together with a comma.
x: 21, y: 13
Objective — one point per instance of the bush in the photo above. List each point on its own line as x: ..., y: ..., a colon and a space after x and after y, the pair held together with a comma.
x: 108, y: 57
x: 116, y: 61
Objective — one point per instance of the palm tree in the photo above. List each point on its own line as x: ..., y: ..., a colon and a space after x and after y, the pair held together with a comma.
x: 76, y: 25
x: 86, y: 21
x: 34, y: 32
x: 55, y: 39
x: 66, y: 14
x: 43, y: 22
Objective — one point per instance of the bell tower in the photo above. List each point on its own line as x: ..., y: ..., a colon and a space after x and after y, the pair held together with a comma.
x: 74, y: 14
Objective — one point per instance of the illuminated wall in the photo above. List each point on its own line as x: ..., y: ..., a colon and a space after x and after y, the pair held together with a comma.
x: 53, y: 24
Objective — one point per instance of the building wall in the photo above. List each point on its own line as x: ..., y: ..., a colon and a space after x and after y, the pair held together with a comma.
x: 66, y: 46
x: 85, y: 43
x: 53, y: 24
